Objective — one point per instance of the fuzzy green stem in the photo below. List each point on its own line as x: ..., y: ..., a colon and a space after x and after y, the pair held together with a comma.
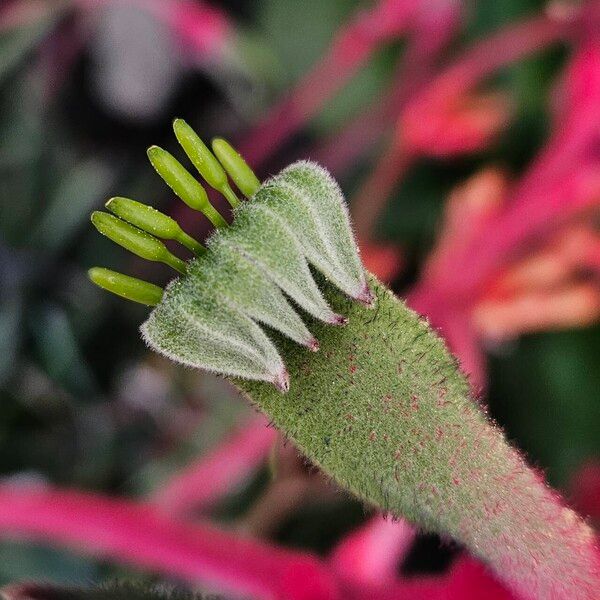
x: 384, y: 411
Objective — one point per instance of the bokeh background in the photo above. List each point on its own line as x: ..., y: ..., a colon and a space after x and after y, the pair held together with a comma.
x: 85, y: 87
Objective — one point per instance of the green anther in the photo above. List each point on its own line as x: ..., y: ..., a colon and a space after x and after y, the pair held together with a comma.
x: 135, y: 240
x: 183, y: 184
x: 152, y: 221
x: 127, y: 287
x: 236, y: 166
x: 204, y: 160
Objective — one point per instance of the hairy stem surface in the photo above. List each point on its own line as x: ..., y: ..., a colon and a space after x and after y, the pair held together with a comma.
x: 383, y: 410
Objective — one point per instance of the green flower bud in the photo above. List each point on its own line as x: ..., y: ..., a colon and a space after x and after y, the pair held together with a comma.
x: 383, y: 408
x: 152, y: 221
x: 204, y: 160
x: 296, y: 220
x: 236, y: 166
x: 205, y: 332
x: 183, y: 184
x: 135, y: 240
x: 126, y: 287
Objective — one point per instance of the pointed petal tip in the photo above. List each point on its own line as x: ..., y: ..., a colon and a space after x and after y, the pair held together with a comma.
x: 366, y: 297
x: 282, y: 381
x: 313, y: 345
x: 338, y: 320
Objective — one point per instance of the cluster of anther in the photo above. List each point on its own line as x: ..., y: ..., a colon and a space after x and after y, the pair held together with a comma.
x: 209, y: 317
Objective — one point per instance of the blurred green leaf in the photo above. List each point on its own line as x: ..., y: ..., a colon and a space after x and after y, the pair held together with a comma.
x: 413, y: 213
x: 78, y: 193
x: 27, y: 562
x: 299, y: 33
x: 546, y: 393
x: 58, y: 351
x: 489, y: 16
x: 361, y: 92
x: 21, y: 125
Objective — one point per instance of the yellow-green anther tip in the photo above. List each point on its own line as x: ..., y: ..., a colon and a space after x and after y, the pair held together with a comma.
x: 127, y: 287
x: 236, y: 167
x: 196, y: 151
x: 160, y: 160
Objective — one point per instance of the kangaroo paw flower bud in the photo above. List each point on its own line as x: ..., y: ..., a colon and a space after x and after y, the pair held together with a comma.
x: 237, y: 167
x: 152, y: 221
x: 196, y: 330
x: 254, y: 273
x: 127, y: 287
x: 135, y: 240
x: 204, y: 160
x: 183, y: 184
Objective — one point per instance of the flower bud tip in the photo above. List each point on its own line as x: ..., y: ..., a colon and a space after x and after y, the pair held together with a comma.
x: 282, y: 381
x: 338, y: 320
x: 366, y: 297
x: 313, y: 345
